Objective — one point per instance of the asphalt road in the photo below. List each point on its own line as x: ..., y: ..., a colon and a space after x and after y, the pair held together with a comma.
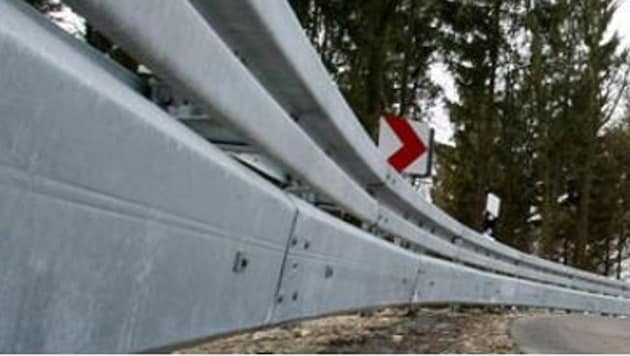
x: 574, y: 333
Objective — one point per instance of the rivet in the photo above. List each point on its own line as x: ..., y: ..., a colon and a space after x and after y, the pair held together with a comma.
x: 240, y: 262
x: 329, y: 272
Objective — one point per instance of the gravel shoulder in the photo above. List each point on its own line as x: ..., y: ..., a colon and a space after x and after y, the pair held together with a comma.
x: 469, y: 330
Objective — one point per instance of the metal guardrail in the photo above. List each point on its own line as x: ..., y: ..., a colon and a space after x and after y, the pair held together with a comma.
x: 122, y: 230
x: 146, y: 37
x: 299, y: 81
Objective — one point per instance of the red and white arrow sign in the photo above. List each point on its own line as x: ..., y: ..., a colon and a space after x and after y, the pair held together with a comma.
x: 406, y: 144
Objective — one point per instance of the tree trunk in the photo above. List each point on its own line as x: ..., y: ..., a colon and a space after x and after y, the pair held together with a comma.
x: 621, y: 242
x: 584, y: 210
x: 376, y: 62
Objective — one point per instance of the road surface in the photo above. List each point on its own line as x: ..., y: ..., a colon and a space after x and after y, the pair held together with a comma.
x: 552, y: 334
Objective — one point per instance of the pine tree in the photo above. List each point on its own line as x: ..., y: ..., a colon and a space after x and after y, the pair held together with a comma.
x: 600, y: 65
x: 379, y: 53
x: 492, y: 151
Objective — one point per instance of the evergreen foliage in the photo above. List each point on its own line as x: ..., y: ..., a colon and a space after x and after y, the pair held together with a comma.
x: 538, y: 84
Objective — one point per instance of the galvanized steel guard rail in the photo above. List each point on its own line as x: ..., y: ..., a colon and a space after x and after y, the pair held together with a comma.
x: 122, y: 230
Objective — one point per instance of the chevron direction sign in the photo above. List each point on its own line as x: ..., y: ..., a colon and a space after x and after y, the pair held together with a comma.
x: 406, y: 144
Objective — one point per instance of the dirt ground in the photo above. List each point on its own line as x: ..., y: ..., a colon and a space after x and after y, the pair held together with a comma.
x: 470, y: 330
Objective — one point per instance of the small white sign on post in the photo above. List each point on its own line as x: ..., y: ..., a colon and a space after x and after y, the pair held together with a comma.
x: 493, y: 205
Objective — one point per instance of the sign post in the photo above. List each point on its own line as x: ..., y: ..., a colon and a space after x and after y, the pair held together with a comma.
x: 491, y: 214
x: 407, y: 145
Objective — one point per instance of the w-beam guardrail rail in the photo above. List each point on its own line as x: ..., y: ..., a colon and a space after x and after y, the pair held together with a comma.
x: 123, y: 230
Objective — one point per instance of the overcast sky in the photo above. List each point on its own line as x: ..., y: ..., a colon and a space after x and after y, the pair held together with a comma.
x: 440, y: 122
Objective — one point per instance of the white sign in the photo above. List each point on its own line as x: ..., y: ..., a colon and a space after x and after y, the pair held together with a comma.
x: 493, y: 205
x: 406, y: 144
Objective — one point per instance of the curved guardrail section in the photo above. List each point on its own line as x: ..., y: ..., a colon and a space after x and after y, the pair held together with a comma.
x: 204, y: 67
x: 150, y: 40
x: 122, y: 230
x: 297, y: 79
x: 119, y: 227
